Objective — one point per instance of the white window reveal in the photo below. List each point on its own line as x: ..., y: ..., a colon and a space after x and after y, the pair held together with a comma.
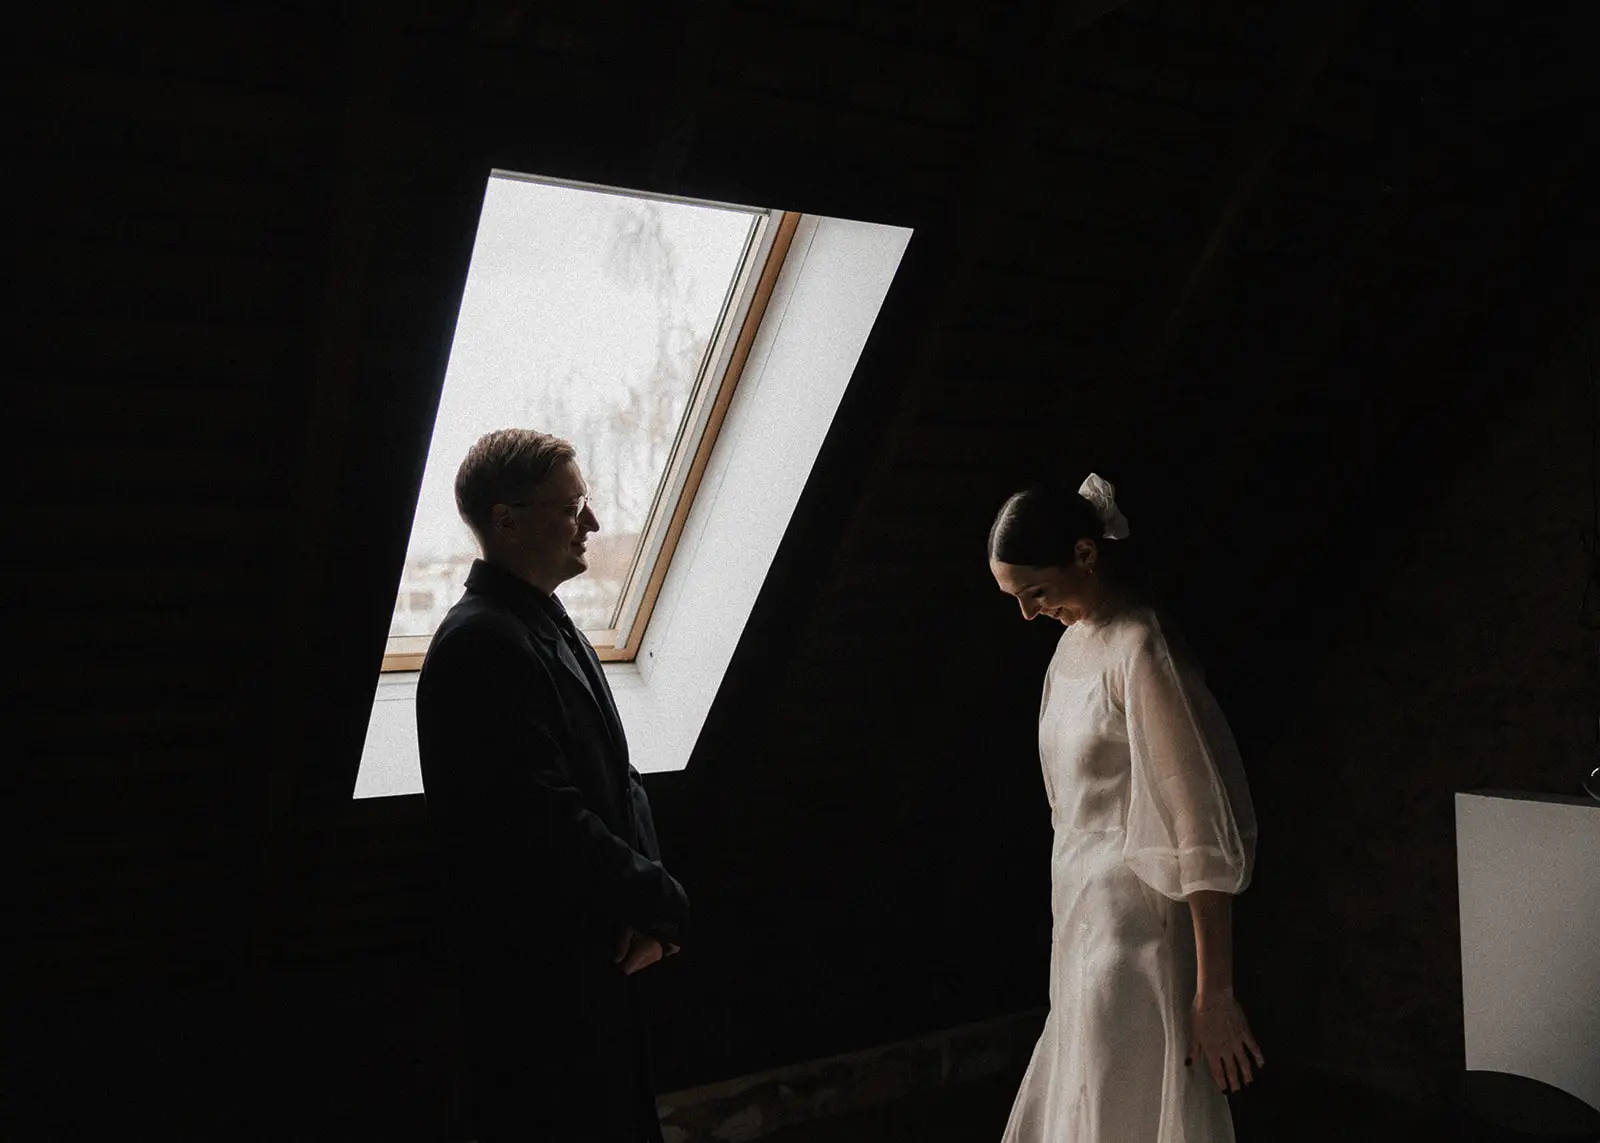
x: 695, y: 354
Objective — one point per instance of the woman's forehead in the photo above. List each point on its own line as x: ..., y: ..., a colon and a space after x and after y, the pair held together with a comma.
x: 1019, y: 577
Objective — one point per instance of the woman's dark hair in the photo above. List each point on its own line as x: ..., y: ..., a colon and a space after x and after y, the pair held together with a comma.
x: 1040, y: 527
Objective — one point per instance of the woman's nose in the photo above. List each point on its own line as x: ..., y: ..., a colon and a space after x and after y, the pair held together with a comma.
x: 1028, y: 609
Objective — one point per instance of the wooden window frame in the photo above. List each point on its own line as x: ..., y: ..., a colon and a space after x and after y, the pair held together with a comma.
x: 406, y: 652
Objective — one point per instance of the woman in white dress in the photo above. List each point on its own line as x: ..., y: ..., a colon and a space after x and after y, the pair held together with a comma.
x: 1154, y: 833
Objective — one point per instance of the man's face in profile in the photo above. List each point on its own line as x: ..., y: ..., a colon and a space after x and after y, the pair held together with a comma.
x: 553, y: 525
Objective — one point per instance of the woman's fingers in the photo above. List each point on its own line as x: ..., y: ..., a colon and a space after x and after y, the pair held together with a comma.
x: 1223, y: 1039
x: 1231, y: 1069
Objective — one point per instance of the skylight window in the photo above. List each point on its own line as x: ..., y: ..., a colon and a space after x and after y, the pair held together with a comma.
x: 620, y: 322
x: 808, y: 296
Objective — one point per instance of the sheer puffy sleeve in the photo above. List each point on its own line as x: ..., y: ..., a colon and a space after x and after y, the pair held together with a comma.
x: 1191, y: 824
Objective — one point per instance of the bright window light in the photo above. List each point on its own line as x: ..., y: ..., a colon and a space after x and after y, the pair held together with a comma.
x: 801, y: 337
x: 610, y: 319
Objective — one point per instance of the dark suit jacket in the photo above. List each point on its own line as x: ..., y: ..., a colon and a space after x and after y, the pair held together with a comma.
x: 549, y: 851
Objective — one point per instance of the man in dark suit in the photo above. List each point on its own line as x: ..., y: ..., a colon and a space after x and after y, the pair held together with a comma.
x: 558, y: 894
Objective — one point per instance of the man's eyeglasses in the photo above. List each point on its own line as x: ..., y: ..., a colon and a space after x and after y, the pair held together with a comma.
x: 569, y: 508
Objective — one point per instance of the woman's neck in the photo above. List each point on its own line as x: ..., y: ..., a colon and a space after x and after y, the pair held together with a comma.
x: 1107, y: 602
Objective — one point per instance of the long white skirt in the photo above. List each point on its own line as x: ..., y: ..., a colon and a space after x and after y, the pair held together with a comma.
x: 1108, y: 1067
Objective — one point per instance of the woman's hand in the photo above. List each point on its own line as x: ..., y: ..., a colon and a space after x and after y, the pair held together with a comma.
x: 1220, y: 1035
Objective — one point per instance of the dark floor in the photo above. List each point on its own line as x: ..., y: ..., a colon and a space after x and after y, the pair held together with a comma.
x: 974, y: 1110
x: 1277, y: 1108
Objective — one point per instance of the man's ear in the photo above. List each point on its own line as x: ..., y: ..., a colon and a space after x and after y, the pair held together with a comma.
x: 502, y: 522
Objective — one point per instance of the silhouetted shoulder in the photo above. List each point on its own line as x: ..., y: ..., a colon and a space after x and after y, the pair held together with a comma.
x: 476, y: 628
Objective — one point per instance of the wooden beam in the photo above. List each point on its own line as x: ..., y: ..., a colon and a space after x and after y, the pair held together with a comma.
x: 1004, y: 142
x: 1342, y: 277
x: 687, y: 82
x: 1240, y: 179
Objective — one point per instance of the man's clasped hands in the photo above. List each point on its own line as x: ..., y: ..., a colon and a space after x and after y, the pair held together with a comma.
x: 637, y: 950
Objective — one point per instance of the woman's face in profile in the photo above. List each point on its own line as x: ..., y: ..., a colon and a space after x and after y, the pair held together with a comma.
x: 1065, y: 594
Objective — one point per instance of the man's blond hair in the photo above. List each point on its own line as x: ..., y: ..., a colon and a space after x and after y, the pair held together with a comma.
x: 503, y: 467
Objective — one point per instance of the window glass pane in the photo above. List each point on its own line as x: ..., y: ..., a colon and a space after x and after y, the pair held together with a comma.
x: 588, y: 315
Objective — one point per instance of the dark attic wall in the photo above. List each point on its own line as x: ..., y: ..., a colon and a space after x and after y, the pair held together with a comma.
x: 1265, y: 266
x: 1391, y: 541
x: 1465, y: 667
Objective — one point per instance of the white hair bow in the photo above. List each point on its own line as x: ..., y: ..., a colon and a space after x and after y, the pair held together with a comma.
x: 1102, y: 494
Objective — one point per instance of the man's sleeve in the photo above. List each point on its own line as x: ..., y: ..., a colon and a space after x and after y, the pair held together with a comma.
x: 643, y: 818
x: 483, y: 719
x: 668, y: 932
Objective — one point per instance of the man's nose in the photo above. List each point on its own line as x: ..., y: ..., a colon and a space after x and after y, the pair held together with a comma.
x: 589, y: 521
x: 1028, y: 609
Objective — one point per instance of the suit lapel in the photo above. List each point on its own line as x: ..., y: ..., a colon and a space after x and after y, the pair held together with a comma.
x: 602, y: 697
x: 546, y: 629
x: 536, y: 616
x: 568, y: 660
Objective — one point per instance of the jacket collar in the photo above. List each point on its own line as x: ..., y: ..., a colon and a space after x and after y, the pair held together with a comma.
x: 542, y: 613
